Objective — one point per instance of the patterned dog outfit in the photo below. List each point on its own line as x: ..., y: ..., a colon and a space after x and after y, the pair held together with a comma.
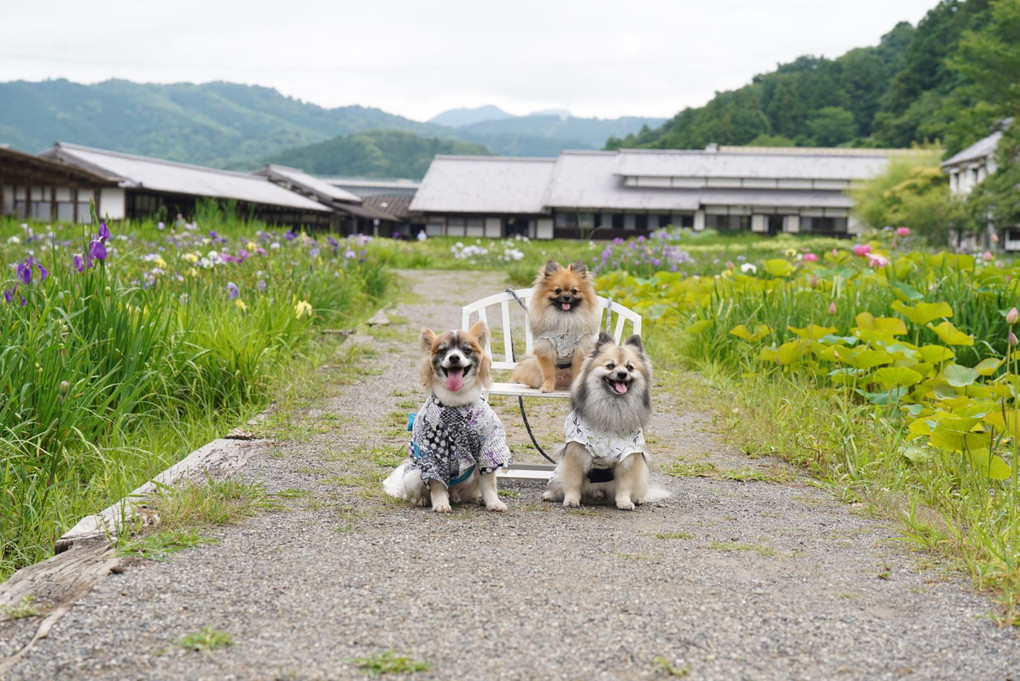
x: 606, y: 448
x: 564, y: 344
x: 448, y: 442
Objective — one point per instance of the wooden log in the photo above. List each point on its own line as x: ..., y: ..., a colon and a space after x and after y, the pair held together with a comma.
x: 218, y: 459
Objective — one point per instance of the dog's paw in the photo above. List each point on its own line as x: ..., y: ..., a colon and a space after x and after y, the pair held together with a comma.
x: 547, y: 387
x: 497, y: 506
x: 441, y: 507
x: 572, y: 501
x: 420, y: 501
x: 625, y: 504
x: 549, y: 495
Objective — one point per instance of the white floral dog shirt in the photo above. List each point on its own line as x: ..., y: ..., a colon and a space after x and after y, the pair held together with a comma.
x: 448, y: 442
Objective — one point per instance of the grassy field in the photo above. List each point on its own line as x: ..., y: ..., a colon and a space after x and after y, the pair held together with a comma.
x: 124, y: 351
x: 888, y: 371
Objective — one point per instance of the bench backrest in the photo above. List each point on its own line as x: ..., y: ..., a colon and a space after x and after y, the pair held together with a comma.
x: 509, y: 320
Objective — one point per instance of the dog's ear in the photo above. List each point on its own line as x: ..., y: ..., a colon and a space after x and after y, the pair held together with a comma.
x: 580, y: 268
x: 604, y: 338
x: 551, y: 268
x: 480, y: 330
x: 635, y: 340
x: 428, y: 337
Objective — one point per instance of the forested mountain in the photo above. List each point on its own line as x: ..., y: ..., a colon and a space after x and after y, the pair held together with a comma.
x: 902, y: 91
x: 375, y: 153
x: 216, y: 124
x: 234, y: 126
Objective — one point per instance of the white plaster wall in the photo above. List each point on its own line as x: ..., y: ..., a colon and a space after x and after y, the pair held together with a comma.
x: 7, y: 203
x: 699, y: 220
x: 791, y: 224
x: 855, y: 226
x: 759, y: 224
x: 544, y: 228
x: 112, y: 203
x: 493, y: 228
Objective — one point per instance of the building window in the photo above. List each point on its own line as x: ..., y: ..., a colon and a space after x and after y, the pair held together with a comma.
x: 728, y: 223
x: 41, y: 210
x: 565, y: 220
x: 824, y: 225
x: 455, y: 227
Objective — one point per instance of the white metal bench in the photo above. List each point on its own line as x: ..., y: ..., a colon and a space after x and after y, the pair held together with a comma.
x: 506, y: 315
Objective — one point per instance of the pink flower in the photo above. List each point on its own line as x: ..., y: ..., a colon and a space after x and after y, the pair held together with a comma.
x: 902, y: 231
x: 1011, y: 338
x: 875, y: 260
x: 862, y: 249
x: 987, y: 256
x: 832, y: 308
x: 1012, y: 316
x: 810, y: 257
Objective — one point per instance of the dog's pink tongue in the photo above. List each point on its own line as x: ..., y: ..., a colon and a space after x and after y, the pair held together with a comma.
x: 454, y: 379
x: 620, y: 387
x: 565, y: 306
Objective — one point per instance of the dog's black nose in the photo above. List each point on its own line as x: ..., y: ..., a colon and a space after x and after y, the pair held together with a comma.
x: 621, y: 375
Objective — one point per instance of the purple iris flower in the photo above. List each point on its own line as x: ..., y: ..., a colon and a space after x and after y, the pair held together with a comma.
x: 232, y: 290
x: 79, y: 262
x: 25, y: 271
x: 104, y: 232
x: 97, y: 250
x: 9, y: 293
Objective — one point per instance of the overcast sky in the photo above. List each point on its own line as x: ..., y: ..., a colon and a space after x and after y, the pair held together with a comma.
x: 418, y: 58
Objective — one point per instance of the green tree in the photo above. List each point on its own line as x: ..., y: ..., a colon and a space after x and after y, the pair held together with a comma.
x: 990, y: 60
x: 831, y: 125
x: 912, y: 192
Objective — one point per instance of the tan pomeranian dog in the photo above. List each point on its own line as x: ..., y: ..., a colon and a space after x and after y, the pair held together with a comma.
x: 457, y: 441
x: 564, y: 317
x: 605, y: 457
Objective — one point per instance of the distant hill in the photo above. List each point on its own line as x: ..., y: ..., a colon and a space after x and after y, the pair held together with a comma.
x: 228, y: 125
x: 458, y: 118
x: 582, y: 133
x: 217, y: 124
x: 375, y: 153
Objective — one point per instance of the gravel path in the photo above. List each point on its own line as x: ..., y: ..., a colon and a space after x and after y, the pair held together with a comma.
x: 723, y: 580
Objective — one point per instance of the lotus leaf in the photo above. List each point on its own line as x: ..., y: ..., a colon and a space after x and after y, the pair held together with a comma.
x: 950, y: 335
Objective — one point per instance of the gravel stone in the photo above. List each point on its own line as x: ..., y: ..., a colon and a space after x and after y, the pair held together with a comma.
x: 723, y: 580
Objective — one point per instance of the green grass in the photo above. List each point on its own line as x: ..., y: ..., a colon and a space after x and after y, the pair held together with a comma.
x: 736, y: 546
x: 161, y: 545
x: 110, y: 374
x: 666, y: 668
x: 389, y: 662
x: 207, y: 639
x: 26, y: 608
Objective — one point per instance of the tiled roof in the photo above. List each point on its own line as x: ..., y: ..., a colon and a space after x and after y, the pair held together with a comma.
x: 180, y: 178
x: 484, y: 184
